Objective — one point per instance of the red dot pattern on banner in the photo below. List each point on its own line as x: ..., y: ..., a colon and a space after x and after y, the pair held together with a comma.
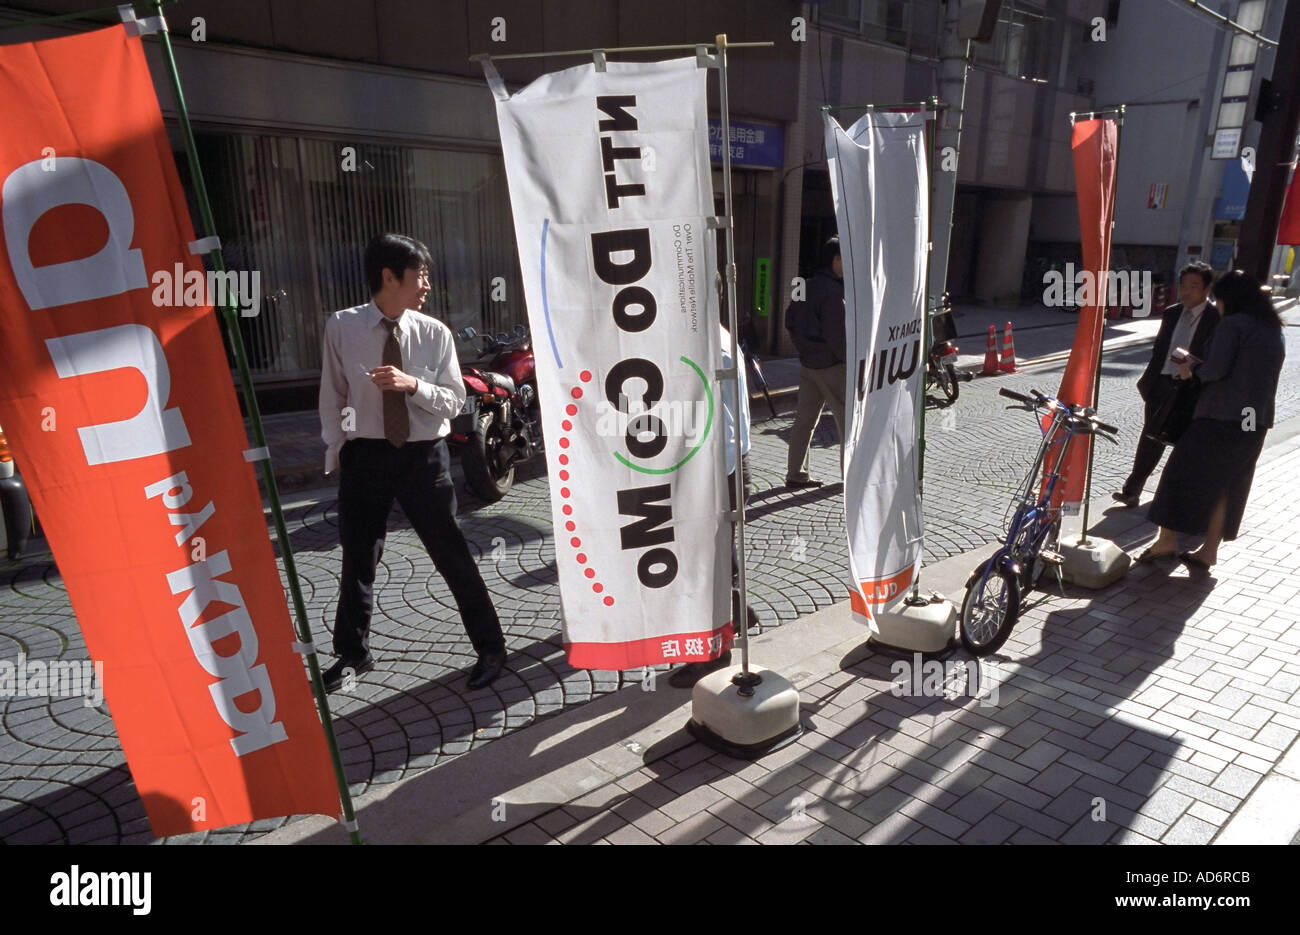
x: 565, y: 493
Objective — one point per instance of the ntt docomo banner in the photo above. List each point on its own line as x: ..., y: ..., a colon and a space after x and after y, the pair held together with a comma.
x: 880, y: 185
x: 131, y: 444
x: 611, y: 192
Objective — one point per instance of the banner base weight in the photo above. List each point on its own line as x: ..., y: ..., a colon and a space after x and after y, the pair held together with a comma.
x: 928, y: 628
x: 1095, y: 564
x: 744, y: 727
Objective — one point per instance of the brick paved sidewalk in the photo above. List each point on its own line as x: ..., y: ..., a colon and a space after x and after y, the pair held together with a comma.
x: 1144, y: 713
x: 411, y: 723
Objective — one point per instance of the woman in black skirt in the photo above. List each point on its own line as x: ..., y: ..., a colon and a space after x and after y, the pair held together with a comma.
x: 1204, y: 487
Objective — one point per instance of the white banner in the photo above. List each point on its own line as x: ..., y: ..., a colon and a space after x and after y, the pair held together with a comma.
x: 611, y: 191
x: 880, y: 184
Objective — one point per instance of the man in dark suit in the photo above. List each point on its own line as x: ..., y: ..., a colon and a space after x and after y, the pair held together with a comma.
x: 1190, y: 325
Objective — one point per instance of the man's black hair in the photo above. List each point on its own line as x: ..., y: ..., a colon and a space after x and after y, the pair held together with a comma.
x: 830, y: 250
x: 395, y: 252
x: 1200, y: 268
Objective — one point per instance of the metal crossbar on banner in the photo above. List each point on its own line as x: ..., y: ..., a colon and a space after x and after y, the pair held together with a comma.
x: 1116, y: 112
x: 929, y: 107
x: 230, y: 319
x: 481, y: 56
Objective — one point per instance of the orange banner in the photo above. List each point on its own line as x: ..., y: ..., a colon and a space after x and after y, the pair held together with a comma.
x: 1094, y: 143
x: 1288, y: 231
x: 118, y: 401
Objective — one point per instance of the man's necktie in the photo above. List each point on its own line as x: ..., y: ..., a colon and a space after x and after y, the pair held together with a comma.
x: 397, y: 422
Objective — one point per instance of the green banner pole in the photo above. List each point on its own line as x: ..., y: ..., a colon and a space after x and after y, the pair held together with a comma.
x: 259, y: 437
x: 930, y: 110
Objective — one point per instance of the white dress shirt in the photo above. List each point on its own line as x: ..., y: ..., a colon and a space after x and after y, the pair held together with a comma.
x: 354, y: 345
x: 1182, y: 336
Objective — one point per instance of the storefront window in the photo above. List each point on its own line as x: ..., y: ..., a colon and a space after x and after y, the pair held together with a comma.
x: 300, y: 211
x: 914, y: 26
x: 1020, y: 44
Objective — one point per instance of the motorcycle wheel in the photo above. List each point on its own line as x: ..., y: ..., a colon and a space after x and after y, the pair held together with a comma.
x: 947, y: 378
x: 479, y: 458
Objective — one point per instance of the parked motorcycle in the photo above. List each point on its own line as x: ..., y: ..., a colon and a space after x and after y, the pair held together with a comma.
x: 500, y: 425
x: 941, y: 363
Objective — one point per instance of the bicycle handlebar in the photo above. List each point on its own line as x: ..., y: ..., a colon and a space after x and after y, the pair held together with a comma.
x: 1037, y: 399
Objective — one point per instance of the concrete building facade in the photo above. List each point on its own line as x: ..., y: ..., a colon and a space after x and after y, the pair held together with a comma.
x: 320, y: 123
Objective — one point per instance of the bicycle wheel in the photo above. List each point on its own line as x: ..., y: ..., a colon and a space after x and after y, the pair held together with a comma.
x: 989, y: 611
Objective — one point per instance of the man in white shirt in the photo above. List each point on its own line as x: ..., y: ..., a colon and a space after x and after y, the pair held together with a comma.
x: 390, y: 386
x: 1188, y: 325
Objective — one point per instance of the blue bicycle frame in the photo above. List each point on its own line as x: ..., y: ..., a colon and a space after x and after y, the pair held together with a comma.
x: 1034, y: 516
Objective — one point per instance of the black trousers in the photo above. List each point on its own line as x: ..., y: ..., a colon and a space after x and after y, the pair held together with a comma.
x: 417, y: 475
x: 1149, y: 451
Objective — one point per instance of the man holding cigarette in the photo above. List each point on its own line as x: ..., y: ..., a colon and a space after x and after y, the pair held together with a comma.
x: 390, y: 386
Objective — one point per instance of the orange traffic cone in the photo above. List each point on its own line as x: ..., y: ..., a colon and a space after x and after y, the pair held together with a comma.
x: 991, y: 355
x: 1008, y: 364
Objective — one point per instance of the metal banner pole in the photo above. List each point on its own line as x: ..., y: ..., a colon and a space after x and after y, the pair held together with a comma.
x: 259, y: 437
x: 745, y: 679
x: 1101, y: 343
x: 931, y: 111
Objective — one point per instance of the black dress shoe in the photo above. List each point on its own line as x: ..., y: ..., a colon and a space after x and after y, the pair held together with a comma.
x: 1125, y: 499
x: 487, y: 669
x: 335, y: 674
x: 799, y: 483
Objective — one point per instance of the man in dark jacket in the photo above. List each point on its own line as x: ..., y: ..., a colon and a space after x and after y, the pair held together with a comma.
x: 1190, y: 325
x: 816, y: 324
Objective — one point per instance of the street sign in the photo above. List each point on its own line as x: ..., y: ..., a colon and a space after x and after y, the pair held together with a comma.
x: 1226, y: 141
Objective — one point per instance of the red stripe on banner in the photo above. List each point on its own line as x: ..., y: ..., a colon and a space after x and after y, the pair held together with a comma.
x: 1094, y: 144
x: 879, y: 591
x: 652, y: 651
x: 118, y: 399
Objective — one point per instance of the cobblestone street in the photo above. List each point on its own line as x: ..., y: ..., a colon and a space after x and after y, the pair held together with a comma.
x: 63, y: 778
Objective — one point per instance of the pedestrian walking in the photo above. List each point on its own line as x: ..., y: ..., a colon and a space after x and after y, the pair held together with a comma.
x: 816, y: 325
x: 390, y: 385
x: 1188, y: 324
x: 1204, y: 488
